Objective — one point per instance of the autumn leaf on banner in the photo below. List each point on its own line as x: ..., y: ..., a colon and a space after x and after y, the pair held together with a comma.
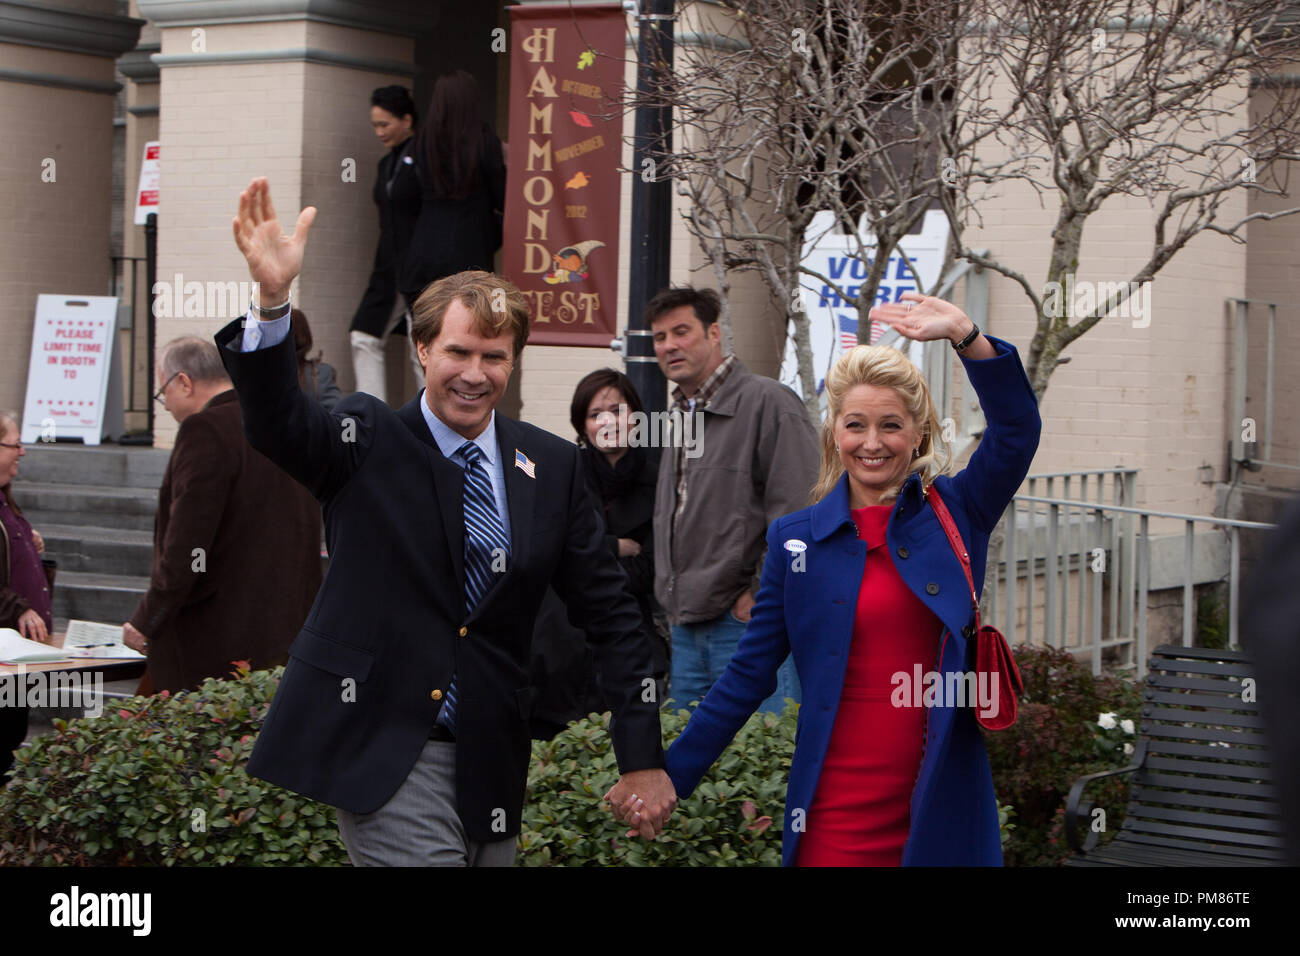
x: 580, y: 118
x: 585, y: 59
x: 578, y: 181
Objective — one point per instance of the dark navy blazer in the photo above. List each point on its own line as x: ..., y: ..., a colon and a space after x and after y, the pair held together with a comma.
x: 389, y: 628
x: 809, y: 610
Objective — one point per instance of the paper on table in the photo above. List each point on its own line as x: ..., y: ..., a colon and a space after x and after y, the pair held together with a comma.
x: 91, y: 639
x: 16, y: 649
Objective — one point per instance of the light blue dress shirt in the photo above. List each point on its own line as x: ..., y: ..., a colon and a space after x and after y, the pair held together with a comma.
x: 449, y: 441
x: 265, y: 335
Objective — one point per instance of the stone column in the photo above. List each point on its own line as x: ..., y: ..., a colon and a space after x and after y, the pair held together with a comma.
x: 56, y: 155
x: 274, y: 88
x: 141, y: 127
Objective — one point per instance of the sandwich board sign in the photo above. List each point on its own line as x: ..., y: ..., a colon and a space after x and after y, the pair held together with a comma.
x: 72, y: 362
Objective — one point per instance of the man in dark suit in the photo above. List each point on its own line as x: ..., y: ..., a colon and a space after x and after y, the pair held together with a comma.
x: 405, y: 702
x: 236, y: 542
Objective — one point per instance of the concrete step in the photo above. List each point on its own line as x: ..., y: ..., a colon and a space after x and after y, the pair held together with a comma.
x: 94, y: 465
x: 92, y: 506
x: 107, y: 598
x: 100, y: 550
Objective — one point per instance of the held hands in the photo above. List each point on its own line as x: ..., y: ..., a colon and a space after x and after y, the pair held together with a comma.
x: 274, y: 259
x: 644, y: 799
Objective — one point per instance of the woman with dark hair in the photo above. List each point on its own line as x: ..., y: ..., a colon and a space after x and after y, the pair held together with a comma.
x: 314, y: 375
x: 397, y: 194
x: 25, y: 598
x: 462, y: 168
x: 621, y: 477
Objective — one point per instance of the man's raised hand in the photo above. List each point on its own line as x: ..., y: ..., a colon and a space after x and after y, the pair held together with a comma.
x: 274, y: 259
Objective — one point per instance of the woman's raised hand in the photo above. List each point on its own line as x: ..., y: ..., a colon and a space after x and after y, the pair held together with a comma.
x: 274, y: 259
x: 923, y: 318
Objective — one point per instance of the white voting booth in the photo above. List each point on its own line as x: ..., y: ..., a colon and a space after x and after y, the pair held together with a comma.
x: 74, y: 377
x: 832, y: 322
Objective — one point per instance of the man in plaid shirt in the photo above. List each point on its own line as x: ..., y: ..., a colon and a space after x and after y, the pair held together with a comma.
x: 752, y: 459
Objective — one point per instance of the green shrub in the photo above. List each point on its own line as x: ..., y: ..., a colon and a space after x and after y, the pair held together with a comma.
x: 161, y: 781
x: 1212, y: 617
x: 1056, y: 740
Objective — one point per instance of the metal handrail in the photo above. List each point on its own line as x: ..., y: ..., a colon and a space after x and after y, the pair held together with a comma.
x: 1098, y: 506
x: 1132, y: 564
x: 1117, y: 470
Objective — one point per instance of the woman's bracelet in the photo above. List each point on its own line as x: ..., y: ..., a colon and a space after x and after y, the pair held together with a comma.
x: 971, y: 337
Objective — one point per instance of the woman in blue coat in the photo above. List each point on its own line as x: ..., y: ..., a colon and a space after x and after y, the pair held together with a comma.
x: 900, y: 781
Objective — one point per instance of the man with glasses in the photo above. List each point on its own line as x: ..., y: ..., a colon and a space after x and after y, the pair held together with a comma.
x: 236, y: 541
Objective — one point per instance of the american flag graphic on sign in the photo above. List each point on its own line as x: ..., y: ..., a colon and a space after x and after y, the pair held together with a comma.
x: 849, y: 330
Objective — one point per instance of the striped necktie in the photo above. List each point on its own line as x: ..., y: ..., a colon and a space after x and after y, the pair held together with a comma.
x: 486, y: 548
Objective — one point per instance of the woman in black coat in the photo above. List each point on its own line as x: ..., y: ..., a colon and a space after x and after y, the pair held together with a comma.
x: 397, y: 195
x: 463, y: 174
x: 621, y: 480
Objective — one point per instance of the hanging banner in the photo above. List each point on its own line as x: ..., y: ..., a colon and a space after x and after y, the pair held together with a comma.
x: 562, y: 187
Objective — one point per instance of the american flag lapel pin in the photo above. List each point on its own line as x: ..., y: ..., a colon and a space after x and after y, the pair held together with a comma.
x: 525, y: 464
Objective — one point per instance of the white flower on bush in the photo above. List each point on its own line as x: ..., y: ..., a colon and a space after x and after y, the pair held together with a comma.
x: 1128, y: 750
x: 1126, y: 726
x: 1106, y: 721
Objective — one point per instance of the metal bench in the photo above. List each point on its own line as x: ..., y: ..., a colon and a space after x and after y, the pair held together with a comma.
x: 1203, y: 792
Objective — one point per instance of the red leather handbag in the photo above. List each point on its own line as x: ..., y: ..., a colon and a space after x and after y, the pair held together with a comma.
x: 992, y: 653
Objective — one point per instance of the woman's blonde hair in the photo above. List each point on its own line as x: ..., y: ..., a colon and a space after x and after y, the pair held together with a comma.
x: 883, y: 367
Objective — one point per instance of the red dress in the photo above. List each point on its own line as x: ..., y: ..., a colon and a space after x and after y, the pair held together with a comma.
x: 860, y: 813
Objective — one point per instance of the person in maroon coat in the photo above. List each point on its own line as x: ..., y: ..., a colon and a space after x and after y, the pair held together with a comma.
x: 236, y: 541
x: 25, y: 599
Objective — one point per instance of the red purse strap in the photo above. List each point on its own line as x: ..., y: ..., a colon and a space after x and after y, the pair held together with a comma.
x: 958, y: 546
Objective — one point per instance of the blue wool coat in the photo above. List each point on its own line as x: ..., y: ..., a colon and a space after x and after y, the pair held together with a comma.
x: 806, y: 606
